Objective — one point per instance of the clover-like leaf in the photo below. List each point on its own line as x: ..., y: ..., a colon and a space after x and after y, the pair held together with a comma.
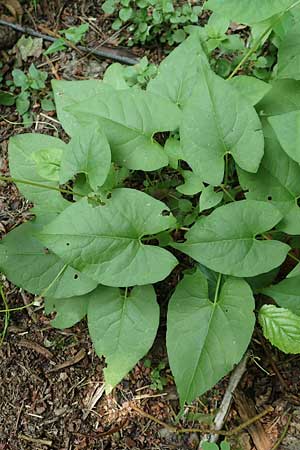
x: 129, y: 118
x: 226, y: 240
x: 105, y: 242
x: 206, y: 338
x: 122, y: 327
x: 88, y: 153
x: 216, y: 121
x: 281, y: 327
x: 29, y: 265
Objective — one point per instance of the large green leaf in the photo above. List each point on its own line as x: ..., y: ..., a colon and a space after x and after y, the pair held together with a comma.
x: 122, y: 328
x: 286, y: 294
x: 287, y: 129
x: 281, y: 327
x: 276, y: 183
x: 21, y: 151
x: 105, y: 242
x: 289, y: 54
x: 251, y: 88
x: 29, y: 265
x: 249, y: 12
x: 88, y: 153
x: 129, y: 118
x: 226, y: 240
x: 69, y: 311
x: 204, y: 338
x: 217, y: 120
x: 283, y: 97
x: 178, y: 72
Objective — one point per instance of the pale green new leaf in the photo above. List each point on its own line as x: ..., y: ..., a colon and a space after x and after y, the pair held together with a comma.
x: 122, y: 328
x: 225, y: 241
x: 48, y: 162
x: 286, y: 294
x: 249, y: 12
x: 217, y: 121
x: 289, y: 54
x: 276, y: 183
x: 287, y: 129
x: 69, y: 311
x: 105, y: 242
x: 192, y: 183
x: 29, y: 265
x: 129, y: 118
x: 178, y: 73
x: 22, y: 152
x: 251, y: 88
x: 281, y: 327
x: 209, y: 198
x: 88, y: 153
x: 204, y: 338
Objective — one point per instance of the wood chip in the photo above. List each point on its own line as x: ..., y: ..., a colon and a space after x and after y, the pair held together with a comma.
x: 35, y: 347
x: 70, y: 362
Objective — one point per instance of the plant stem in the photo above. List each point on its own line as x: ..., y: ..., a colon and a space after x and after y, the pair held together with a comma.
x: 40, y: 185
x: 278, y: 443
x: 259, y: 40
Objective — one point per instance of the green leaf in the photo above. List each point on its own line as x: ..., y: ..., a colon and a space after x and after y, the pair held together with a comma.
x: 287, y: 128
x: 88, y: 153
x: 37, y: 78
x: 286, y: 294
x: 128, y: 117
x: 125, y: 14
x: 69, y: 311
x: 57, y: 46
x: 20, y: 79
x: 114, y: 75
x: 295, y: 272
x: 105, y: 242
x: 75, y: 34
x: 178, y: 72
x: 228, y: 125
x: 48, y: 163
x: 192, y: 183
x: 122, y: 328
x: 23, y: 102
x: 289, y: 54
x: 283, y: 97
x: 225, y: 241
x: 174, y: 152
x: 251, y: 88
x: 209, y: 198
x: 243, y: 11
x: 109, y: 6
x: 281, y: 327
x: 29, y: 265
x: 276, y: 183
x: 204, y: 338
x: 22, y: 166
x: 7, y: 98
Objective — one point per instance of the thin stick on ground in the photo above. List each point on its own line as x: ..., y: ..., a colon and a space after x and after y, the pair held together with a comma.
x: 114, y: 54
x: 285, y: 430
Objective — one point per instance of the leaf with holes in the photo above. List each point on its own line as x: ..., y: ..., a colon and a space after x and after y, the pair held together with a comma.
x: 206, y: 338
x: 29, y: 265
x: 105, y: 242
x: 88, y: 153
x: 226, y: 240
x: 229, y: 125
x: 122, y: 328
x: 281, y: 327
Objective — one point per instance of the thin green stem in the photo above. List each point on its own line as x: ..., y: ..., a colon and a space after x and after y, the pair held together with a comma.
x: 227, y: 192
x: 260, y: 39
x: 40, y: 185
x: 217, y: 288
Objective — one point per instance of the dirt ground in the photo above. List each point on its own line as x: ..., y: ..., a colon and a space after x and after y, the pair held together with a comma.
x: 51, y: 382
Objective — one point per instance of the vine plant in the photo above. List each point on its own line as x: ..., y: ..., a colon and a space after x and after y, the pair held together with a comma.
x: 194, y: 178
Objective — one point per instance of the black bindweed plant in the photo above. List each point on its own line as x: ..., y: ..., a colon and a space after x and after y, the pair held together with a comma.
x: 195, y: 172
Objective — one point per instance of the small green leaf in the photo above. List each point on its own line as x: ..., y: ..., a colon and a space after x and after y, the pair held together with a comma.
x: 179, y: 36
x: 23, y: 102
x: 75, y: 34
x: 20, y: 79
x: 251, y: 88
x: 192, y: 183
x: 109, y: 6
x: 125, y: 14
x: 209, y: 198
x: 7, y: 99
x: 105, y: 242
x: 122, y: 328
x: 36, y: 78
x: 88, y: 153
x: 48, y: 163
x: 204, y: 338
x: 57, y: 46
x: 286, y: 294
x: 281, y: 327
x: 229, y: 125
x: 226, y: 240
x: 69, y: 311
x: 174, y: 152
